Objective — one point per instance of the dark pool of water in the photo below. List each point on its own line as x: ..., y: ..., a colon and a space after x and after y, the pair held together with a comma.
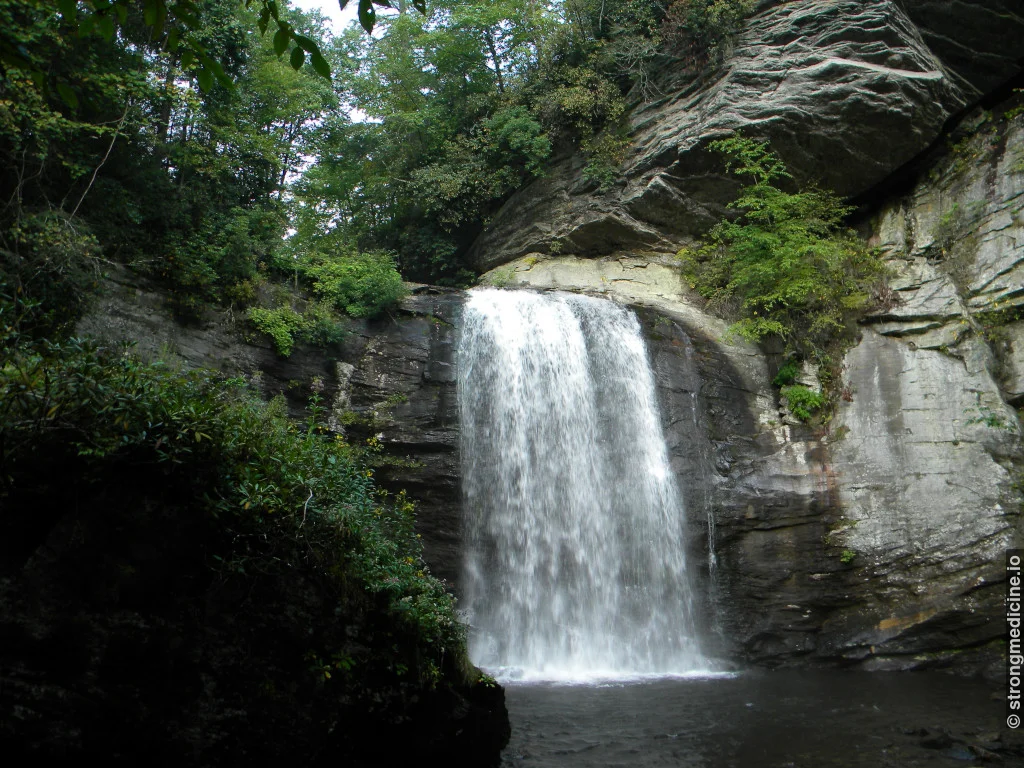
x: 763, y: 720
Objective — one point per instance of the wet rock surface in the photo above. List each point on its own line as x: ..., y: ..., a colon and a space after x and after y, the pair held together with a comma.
x: 402, y: 392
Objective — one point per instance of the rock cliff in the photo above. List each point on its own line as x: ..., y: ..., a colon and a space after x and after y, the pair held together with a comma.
x: 391, y: 378
x: 846, y: 91
x: 875, y: 541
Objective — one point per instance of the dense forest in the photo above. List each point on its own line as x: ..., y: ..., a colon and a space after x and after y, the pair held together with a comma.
x: 118, y: 143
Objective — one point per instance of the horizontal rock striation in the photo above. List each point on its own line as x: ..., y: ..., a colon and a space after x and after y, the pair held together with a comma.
x: 822, y: 80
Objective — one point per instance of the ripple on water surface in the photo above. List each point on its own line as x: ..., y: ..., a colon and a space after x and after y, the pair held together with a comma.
x: 760, y: 720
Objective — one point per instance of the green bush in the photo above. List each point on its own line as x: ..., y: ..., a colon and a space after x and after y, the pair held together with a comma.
x: 605, y: 154
x: 50, y: 263
x: 360, y: 284
x: 803, y: 402
x: 514, y: 137
x: 698, y: 28
x: 578, y: 103
x: 281, y: 324
x: 321, y: 325
x: 787, y: 267
x: 787, y: 373
x: 286, y: 498
x: 318, y: 324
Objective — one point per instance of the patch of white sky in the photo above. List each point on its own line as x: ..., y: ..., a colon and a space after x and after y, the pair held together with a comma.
x: 339, y: 20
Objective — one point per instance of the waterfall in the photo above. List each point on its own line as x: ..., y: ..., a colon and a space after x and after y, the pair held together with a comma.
x: 575, y: 565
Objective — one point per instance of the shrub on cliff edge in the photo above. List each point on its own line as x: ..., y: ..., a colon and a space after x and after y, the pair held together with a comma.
x: 787, y: 267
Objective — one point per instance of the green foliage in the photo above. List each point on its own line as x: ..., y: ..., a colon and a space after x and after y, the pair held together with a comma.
x: 281, y: 324
x: 487, y: 681
x: 605, y: 154
x: 581, y: 101
x: 176, y: 176
x: 803, y: 402
x: 516, y: 137
x: 285, y: 497
x: 1016, y: 111
x: 479, y: 169
x: 847, y: 556
x: 503, y: 278
x: 787, y: 373
x: 989, y: 418
x: 698, y: 28
x: 50, y: 263
x: 360, y: 284
x: 317, y: 324
x: 786, y: 267
x: 178, y: 26
x: 467, y: 105
x: 322, y: 326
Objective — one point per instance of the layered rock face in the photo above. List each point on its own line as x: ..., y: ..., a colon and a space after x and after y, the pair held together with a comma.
x: 823, y: 80
x: 879, y: 539
x: 931, y: 462
x: 876, y: 540
x: 389, y: 381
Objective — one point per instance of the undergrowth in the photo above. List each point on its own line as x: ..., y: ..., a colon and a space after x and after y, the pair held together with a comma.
x: 362, y: 285
x: 786, y: 268
x: 279, y: 492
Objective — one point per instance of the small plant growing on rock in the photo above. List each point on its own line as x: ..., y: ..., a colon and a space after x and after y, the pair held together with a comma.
x: 847, y: 556
x: 1010, y: 114
x: 803, y: 402
x: 787, y: 373
x: 280, y: 324
x: 989, y: 418
x: 605, y: 154
x: 787, y: 267
x: 318, y: 324
x: 503, y: 278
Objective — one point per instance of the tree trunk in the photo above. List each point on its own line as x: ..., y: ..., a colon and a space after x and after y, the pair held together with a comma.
x: 494, y: 57
x: 163, y: 125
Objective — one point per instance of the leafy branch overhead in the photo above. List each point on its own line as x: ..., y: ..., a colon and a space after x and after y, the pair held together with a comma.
x: 176, y: 26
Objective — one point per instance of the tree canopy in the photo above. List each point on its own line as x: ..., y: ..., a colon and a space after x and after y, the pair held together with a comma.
x: 201, y: 141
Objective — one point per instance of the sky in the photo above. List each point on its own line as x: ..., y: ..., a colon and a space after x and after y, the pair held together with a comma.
x: 329, y: 8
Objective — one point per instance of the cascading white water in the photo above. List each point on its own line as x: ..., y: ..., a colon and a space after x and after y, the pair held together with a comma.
x: 575, y: 565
